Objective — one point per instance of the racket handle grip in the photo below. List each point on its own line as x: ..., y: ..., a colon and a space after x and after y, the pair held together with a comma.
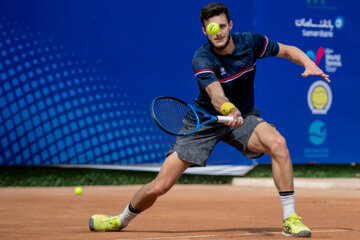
x: 224, y: 119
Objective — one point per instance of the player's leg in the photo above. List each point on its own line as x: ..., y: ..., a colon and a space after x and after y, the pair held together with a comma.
x: 268, y: 140
x: 265, y: 139
x: 170, y: 172
x: 255, y: 137
x: 195, y: 149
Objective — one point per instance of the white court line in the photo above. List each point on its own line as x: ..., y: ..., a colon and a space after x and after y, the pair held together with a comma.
x: 175, y: 237
x: 240, y: 234
x: 319, y: 231
x: 338, y: 230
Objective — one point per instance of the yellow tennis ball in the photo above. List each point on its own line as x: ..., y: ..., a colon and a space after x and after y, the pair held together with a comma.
x: 78, y: 190
x: 213, y: 28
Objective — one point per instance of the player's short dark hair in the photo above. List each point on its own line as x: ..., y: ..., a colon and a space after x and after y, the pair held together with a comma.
x: 213, y: 9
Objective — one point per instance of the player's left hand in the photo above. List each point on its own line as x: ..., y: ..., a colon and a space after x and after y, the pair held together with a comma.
x: 315, y: 71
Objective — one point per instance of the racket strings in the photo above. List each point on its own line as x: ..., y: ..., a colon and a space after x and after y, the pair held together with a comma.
x: 174, y: 116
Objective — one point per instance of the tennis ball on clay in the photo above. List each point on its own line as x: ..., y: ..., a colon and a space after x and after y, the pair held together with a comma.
x: 213, y: 28
x: 78, y: 190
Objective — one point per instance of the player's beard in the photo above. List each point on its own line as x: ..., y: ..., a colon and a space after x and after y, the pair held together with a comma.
x: 223, y: 46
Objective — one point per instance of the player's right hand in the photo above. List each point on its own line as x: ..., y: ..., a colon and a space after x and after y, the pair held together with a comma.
x: 314, y: 70
x: 237, y: 119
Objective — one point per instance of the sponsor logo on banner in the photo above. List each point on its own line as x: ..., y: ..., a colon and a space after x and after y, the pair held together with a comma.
x: 319, y: 28
x: 332, y: 59
x: 319, y: 97
x: 316, y: 57
x: 322, y: 4
x: 317, y: 136
x: 339, y: 22
x: 317, y: 132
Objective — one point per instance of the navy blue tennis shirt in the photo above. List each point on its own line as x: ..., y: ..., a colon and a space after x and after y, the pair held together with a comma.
x: 235, y: 72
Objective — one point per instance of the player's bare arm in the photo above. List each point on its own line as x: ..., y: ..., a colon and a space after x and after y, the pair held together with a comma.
x: 297, y: 56
x: 218, y: 98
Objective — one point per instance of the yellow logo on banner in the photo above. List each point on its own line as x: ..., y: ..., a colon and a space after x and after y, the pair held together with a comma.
x: 319, y: 97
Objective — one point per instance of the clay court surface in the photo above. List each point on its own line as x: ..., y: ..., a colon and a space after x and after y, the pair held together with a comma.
x: 186, y: 212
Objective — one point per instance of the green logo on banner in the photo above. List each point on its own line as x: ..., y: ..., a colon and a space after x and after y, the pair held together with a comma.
x: 322, y: 4
x: 315, y: 1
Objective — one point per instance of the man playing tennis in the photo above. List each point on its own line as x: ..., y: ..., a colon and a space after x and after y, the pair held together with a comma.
x: 225, y: 70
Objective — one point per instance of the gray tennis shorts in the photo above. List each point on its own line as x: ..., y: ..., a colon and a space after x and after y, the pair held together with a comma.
x: 197, y: 147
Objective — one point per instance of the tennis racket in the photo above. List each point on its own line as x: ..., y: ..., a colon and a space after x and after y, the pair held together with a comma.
x: 178, y: 118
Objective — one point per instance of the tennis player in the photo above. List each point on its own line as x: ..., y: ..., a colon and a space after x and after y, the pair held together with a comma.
x: 225, y: 69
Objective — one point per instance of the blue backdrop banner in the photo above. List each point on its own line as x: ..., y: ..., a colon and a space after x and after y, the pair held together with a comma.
x: 77, y: 78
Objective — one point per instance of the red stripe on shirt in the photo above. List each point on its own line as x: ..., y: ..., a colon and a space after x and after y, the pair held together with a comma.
x: 238, y: 74
x: 202, y: 70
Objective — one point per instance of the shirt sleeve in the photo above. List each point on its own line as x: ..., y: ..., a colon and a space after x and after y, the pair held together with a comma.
x: 264, y: 47
x: 204, y: 71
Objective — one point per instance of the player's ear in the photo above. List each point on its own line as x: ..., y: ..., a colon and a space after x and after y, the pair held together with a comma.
x: 204, y: 31
x: 230, y: 24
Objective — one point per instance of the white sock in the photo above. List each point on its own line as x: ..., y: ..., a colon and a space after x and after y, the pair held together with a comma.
x: 288, y: 204
x: 127, y: 215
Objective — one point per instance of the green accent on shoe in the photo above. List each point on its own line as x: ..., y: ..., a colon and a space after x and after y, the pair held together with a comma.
x: 292, y: 226
x: 104, y: 223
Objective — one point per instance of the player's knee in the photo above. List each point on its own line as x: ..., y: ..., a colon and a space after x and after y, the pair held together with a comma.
x: 278, y: 147
x: 160, y: 188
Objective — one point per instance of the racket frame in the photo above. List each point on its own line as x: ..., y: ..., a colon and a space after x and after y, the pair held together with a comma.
x: 195, y: 111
